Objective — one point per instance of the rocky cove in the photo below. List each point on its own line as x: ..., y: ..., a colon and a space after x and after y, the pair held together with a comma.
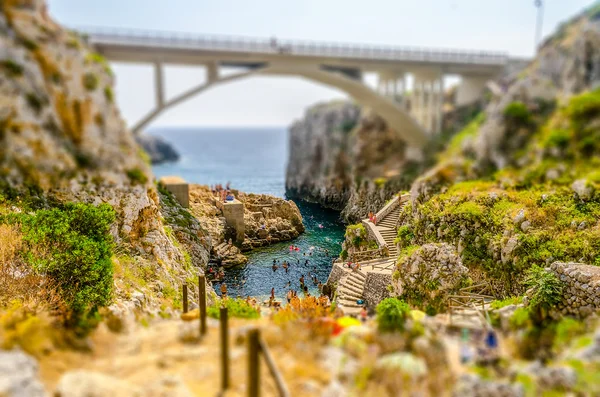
x: 472, y: 265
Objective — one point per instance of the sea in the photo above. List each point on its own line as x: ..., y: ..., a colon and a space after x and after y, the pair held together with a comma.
x: 254, y: 160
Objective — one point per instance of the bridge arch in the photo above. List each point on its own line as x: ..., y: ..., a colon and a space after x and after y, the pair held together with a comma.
x: 396, y: 116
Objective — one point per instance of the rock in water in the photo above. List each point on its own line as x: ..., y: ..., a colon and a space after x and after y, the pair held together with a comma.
x: 159, y: 150
x: 19, y: 375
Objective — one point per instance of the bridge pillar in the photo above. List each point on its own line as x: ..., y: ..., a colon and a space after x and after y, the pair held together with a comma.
x: 212, y: 72
x: 159, y: 87
x: 470, y: 89
x: 427, y: 100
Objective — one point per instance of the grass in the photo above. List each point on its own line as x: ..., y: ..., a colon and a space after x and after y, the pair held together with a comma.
x: 12, y: 68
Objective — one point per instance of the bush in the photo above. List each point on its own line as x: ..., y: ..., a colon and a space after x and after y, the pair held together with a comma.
x: 348, y: 126
x: 235, y: 308
x: 72, y: 245
x: 12, y: 68
x: 547, y: 288
x: 108, y: 94
x: 517, y: 113
x: 392, y: 314
x: 90, y: 81
x: 405, y: 235
x: 137, y: 176
x: 34, y: 102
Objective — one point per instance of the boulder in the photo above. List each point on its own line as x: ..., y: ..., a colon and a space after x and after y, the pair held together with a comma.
x: 19, y: 375
x: 84, y: 383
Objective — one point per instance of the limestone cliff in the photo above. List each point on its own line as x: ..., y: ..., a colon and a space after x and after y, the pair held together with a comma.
x: 62, y: 139
x: 347, y: 159
x: 517, y: 189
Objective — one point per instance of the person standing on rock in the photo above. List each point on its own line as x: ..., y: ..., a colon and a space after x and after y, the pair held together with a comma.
x: 223, y: 290
x: 302, y: 282
x: 273, y: 293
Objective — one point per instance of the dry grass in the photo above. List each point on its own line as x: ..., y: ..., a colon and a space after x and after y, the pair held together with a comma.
x: 10, y: 243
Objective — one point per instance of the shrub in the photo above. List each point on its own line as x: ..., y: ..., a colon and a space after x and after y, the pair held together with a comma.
x: 12, y: 68
x: 235, y: 308
x: 405, y: 235
x: 558, y: 138
x: 72, y: 245
x: 517, y: 113
x: 34, y: 102
x: 108, y: 94
x: 356, y: 235
x: 380, y: 182
x: 348, y: 126
x: 547, y: 288
x: 392, y: 314
x: 344, y: 255
x: 137, y: 176
x: 90, y: 81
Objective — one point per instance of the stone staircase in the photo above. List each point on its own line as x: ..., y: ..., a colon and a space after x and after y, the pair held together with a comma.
x: 352, y: 284
x: 387, y: 228
x: 351, y: 290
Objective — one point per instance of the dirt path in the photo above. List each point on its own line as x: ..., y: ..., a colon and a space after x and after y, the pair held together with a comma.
x: 154, y: 355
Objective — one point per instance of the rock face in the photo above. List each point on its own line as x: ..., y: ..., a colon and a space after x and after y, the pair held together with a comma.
x: 581, y: 294
x: 159, y: 150
x: 62, y: 136
x: 430, y: 273
x: 346, y: 159
x: 19, y: 375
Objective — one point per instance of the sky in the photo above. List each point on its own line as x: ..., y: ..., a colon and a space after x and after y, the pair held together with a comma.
x: 494, y: 25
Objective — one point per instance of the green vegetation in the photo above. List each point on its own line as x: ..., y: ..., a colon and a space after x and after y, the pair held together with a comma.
x: 546, y: 288
x: 348, y: 126
x: 392, y: 314
x: 35, y: 102
x: 516, y: 113
x: 357, y: 235
x: 12, y: 68
x: 72, y: 245
x: 137, y: 176
x: 29, y: 44
x: 499, y: 304
x: 235, y: 308
x: 90, y: 81
x: 380, y: 182
x: 108, y: 94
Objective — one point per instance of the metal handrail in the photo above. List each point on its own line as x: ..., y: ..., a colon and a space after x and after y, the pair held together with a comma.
x: 98, y: 35
x: 279, y: 382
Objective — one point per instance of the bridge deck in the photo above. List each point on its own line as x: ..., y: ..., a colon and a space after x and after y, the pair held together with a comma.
x: 130, y: 45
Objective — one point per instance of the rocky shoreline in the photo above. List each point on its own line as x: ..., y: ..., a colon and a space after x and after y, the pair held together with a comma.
x: 267, y: 220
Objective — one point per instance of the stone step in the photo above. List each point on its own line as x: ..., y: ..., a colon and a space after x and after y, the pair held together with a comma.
x: 358, y: 285
x: 353, y: 297
x: 351, y: 288
x: 351, y: 311
x: 348, y: 293
x: 357, y: 276
x: 348, y: 303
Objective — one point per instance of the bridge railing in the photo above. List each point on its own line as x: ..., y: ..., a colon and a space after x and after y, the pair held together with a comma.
x: 303, y: 48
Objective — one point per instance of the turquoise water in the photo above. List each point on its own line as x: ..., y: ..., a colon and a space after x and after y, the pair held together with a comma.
x: 254, y: 160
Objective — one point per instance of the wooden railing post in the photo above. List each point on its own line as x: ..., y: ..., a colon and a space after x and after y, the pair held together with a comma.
x: 253, y: 363
x: 224, y: 349
x: 202, y: 303
x: 185, y: 298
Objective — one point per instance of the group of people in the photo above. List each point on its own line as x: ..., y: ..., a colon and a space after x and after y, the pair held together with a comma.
x: 216, y: 275
x: 223, y: 193
x: 353, y: 266
x: 372, y: 217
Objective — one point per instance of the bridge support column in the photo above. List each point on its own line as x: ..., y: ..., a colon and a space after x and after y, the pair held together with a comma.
x: 427, y: 100
x: 212, y: 72
x: 470, y: 89
x: 159, y: 87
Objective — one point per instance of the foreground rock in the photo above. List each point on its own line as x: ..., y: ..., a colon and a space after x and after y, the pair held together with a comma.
x: 159, y: 150
x: 19, y: 375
